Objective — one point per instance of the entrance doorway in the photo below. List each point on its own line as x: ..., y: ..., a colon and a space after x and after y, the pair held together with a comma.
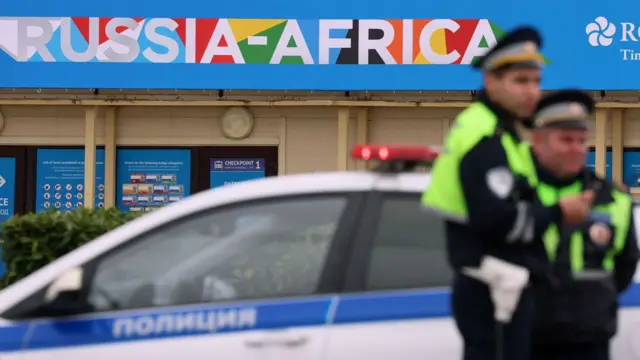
x: 224, y: 165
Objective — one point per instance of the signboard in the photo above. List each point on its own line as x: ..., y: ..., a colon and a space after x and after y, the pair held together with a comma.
x: 60, y: 179
x: 7, y: 187
x: 318, y: 45
x: 590, y: 163
x: 7, y: 195
x: 631, y: 168
x: 226, y: 172
x: 150, y: 178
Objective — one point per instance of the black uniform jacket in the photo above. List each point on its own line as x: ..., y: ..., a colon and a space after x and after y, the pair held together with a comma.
x: 492, y: 216
x: 574, y: 308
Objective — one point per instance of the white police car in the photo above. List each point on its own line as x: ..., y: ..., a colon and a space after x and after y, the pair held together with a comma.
x: 324, y: 266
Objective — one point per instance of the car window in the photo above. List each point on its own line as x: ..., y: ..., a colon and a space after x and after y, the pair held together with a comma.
x: 274, y: 248
x: 408, y: 248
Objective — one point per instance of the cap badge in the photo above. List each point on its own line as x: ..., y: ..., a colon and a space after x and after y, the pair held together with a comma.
x: 529, y: 47
x: 576, y: 110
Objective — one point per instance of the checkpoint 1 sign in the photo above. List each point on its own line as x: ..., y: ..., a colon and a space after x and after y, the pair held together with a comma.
x: 230, y: 171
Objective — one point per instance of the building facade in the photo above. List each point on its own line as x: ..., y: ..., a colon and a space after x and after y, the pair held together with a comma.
x: 100, y: 111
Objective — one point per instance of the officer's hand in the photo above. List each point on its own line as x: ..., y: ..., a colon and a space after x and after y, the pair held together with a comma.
x: 575, y: 209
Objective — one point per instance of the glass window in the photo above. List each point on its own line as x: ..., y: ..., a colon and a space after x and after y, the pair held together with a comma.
x: 274, y: 248
x: 408, y: 248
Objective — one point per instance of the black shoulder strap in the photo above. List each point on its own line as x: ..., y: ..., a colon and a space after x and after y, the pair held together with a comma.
x: 602, y: 188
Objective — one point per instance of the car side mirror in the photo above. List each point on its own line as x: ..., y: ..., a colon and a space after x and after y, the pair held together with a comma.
x: 69, y: 282
x: 65, y: 295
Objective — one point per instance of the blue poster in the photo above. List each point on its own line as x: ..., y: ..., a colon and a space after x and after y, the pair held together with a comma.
x: 7, y: 194
x: 631, y: 168
x: 306, y: 45
x: 590, y: 163
x: 7, y: 187
x: 150, y: 178
x: 230, y: 171
x: 60, y: 179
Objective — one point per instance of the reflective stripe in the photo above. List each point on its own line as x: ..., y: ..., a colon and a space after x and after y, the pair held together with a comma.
x: 620, y: 212
x: 521, y: 222
x: 551, y: 240
x: 527, y: 237
x: 576, y: 251
x: 444, y: 215
x: 591, y: 274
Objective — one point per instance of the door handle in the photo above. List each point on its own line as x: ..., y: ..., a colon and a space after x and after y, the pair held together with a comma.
x: 293, y: 341
x: 255, y: 344
x: 288, y: 342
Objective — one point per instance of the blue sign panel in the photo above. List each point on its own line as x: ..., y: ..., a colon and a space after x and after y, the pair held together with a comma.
x: 230, y: 171
x: 590, y: 162
x: 7, y: 194
x: 150, y: 178
x: 631, y: 168
x: 60, y: 179
x: 309, y: 45
x: 7, y: 187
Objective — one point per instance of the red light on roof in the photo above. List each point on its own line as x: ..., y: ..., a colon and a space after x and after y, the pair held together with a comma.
x: 384, y: 153
x: 365, y: 153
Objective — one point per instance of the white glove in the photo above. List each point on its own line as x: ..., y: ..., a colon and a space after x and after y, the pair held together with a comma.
x: 506, y: 282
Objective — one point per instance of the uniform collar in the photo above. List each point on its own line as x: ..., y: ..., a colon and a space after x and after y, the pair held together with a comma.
x: 545, y: 176
x: 602, y: 188
x: 506, y: 119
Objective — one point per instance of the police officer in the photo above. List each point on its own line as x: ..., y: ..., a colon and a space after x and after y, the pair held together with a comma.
x: 481, y: 186
x: 590, y: 262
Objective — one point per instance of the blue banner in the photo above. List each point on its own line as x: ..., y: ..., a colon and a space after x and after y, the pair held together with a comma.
x: 60, y: 179
x: 230, y: 171
x: 631, y: 168
x: 150, y: 178
x: 308, y: 45
x: 590, y: 163
x: 7, y: 187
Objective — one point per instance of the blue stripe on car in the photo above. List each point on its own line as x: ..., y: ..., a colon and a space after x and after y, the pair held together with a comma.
x: 156, y: 324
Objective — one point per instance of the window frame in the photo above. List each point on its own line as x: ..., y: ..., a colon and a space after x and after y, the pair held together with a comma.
x: 357, y: 275
x: 331, y: 279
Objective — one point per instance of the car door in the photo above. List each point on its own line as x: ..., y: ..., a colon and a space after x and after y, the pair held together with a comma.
x: 248, y: 281
x: 625, y: 344
x: 396, y: 304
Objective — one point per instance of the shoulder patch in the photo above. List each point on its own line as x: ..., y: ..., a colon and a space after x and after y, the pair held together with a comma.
x: 500, y: 181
